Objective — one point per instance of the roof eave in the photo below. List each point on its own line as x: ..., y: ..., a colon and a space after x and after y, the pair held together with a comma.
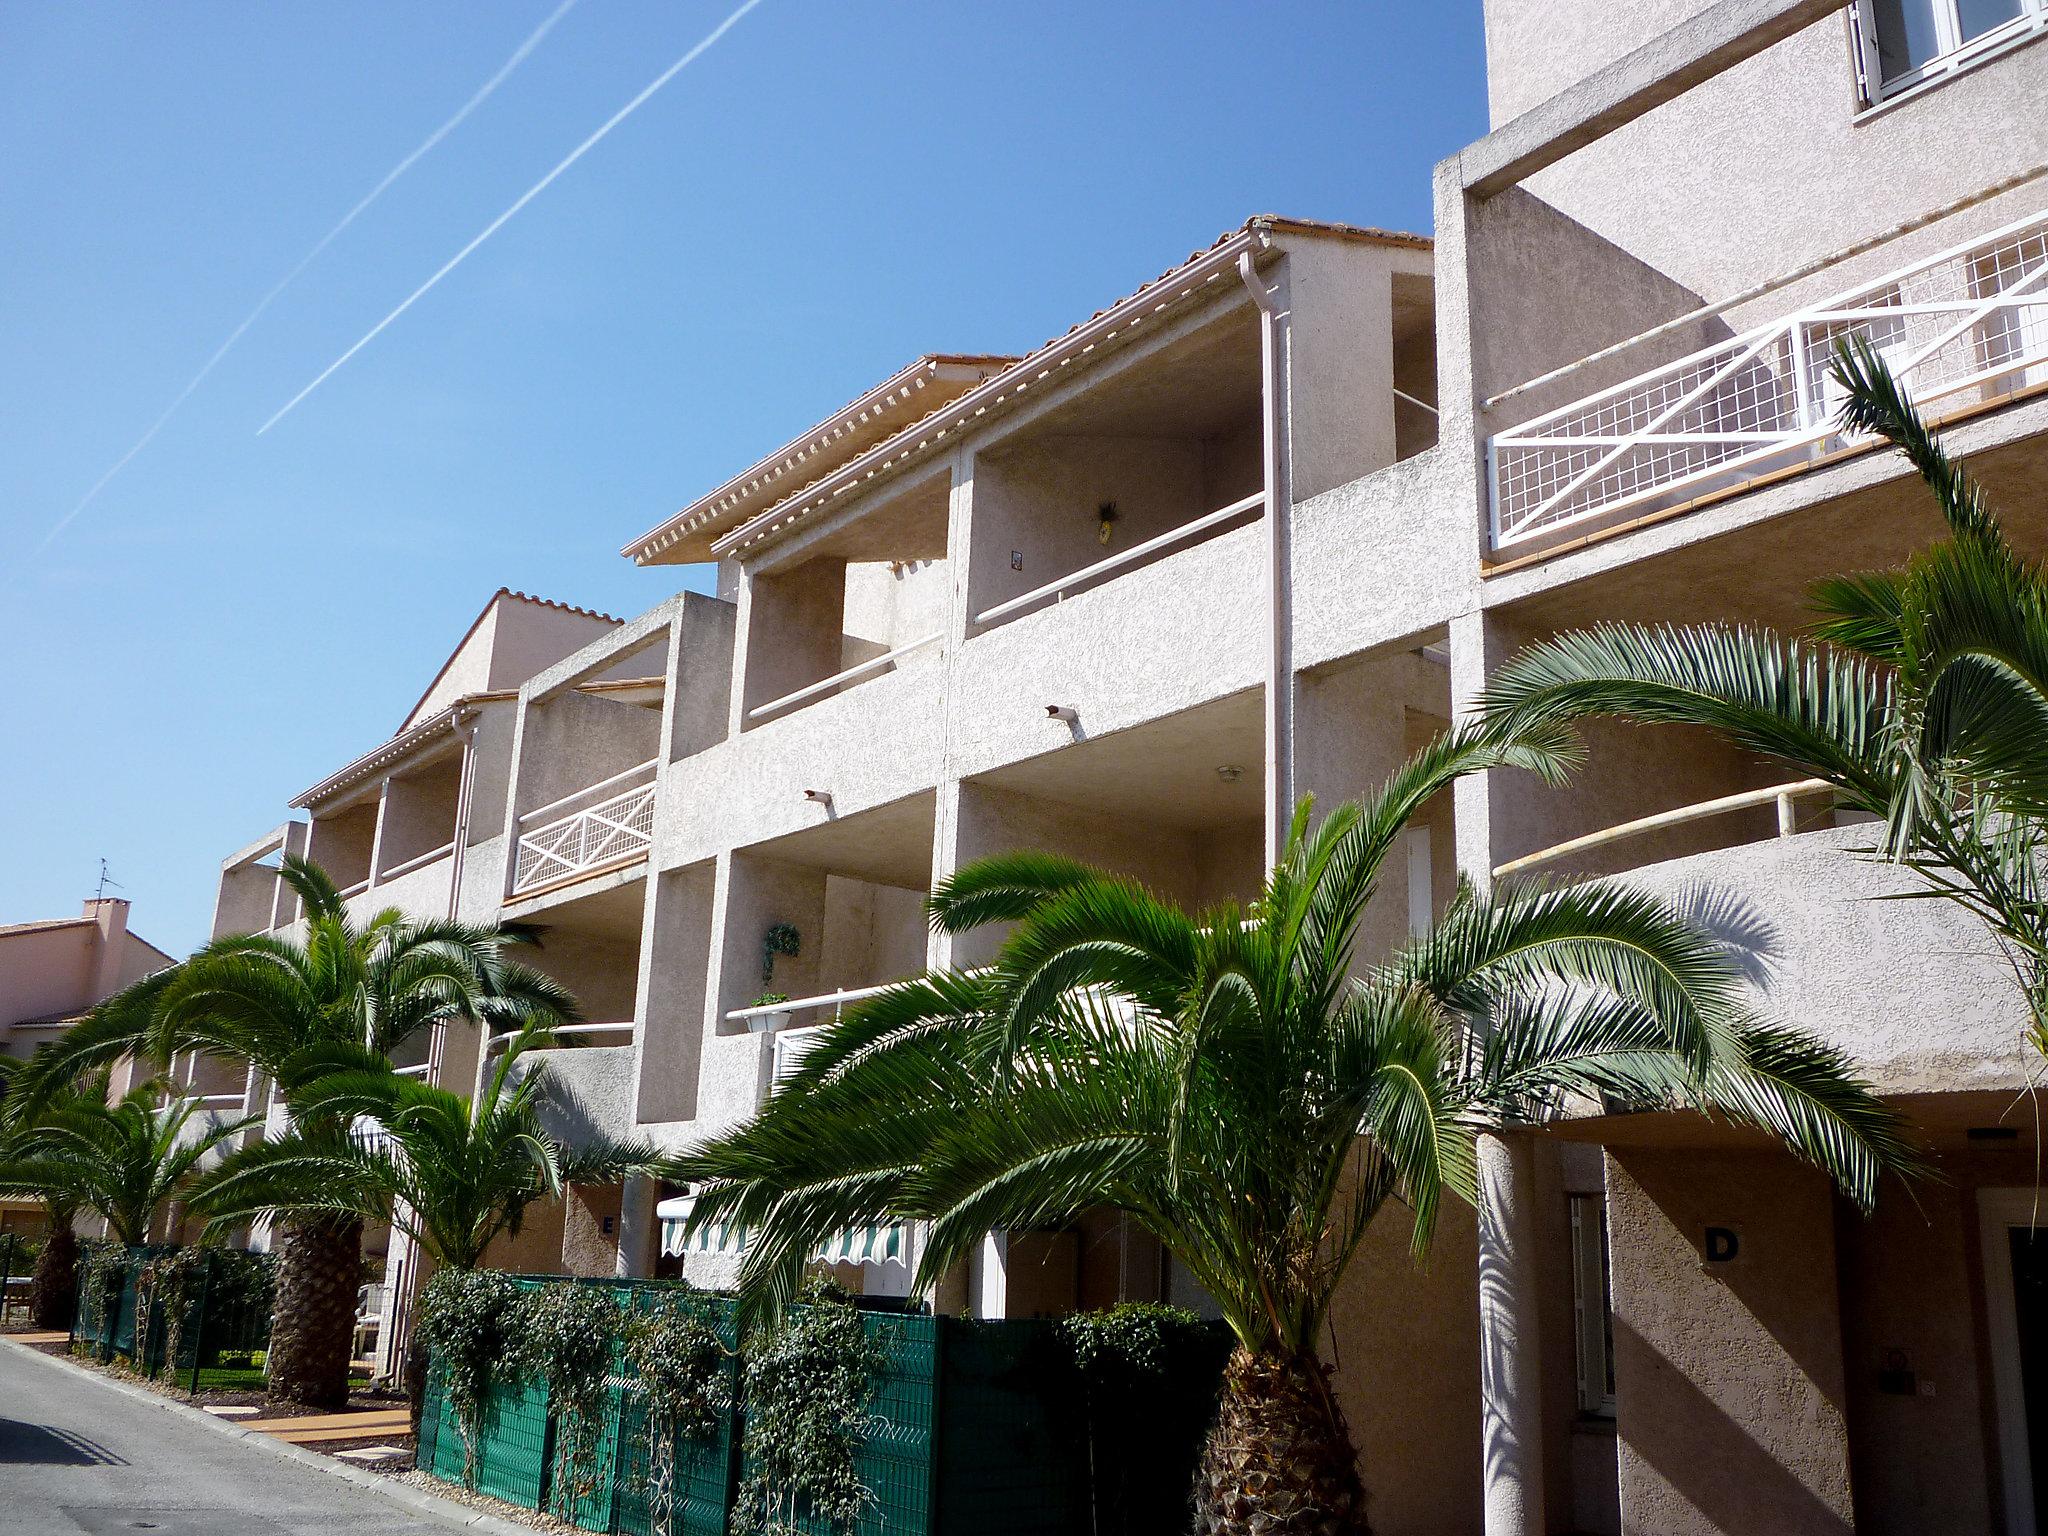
x: 1005, y: 390
x: 401, y: 745
x: 687, y: 534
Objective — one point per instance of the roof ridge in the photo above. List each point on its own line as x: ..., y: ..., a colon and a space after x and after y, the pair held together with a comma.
x: 34, y: 924
x: 550, y: 602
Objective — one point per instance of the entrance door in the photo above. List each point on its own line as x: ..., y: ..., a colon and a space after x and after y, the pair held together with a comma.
x: 2016, y: 1297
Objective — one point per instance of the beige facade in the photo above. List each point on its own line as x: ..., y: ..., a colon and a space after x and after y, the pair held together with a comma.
x: 1257, y: 530
x: 52, y: 973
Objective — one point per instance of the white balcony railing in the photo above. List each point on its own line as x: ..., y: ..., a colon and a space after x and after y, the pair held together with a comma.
x: 571, y: 1036
x: 1959, y: 329
x: 613, y: 831
x: 1187, y: 533
x: 858, y: 672
x: 1784, y: 796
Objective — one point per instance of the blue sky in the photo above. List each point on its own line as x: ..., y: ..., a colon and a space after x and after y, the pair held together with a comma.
x: 832, y: 189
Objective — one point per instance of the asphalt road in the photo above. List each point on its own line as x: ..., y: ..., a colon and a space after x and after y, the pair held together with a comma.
x: 77, y: 1456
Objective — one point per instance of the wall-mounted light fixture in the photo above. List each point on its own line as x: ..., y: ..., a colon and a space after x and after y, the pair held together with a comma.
x: 1105, y: 528
x: 1229, y: 773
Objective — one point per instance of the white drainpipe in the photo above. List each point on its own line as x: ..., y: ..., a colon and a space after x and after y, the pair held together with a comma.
x: 1279, y: 668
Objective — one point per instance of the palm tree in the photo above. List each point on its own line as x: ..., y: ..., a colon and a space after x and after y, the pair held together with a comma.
x: 1233, y: 1082
x: 123, y: 1161
x: 452, y: 1173
x: 1921, y: 693
x: 344, y: 996
x: 53, y: 1289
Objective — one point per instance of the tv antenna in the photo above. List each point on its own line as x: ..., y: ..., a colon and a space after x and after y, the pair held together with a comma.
x: 105, y: 881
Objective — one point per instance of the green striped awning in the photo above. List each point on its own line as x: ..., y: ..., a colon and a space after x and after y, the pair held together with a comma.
x: 880, y: 1243
x: 865, y: 1245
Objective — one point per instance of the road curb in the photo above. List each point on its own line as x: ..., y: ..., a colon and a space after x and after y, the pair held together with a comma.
x: 417, y: 1500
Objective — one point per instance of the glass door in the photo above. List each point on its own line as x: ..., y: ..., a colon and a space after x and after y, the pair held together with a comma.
x: 2014, y: 1225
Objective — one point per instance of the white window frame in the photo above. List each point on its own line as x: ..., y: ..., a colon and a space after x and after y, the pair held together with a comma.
x: 1998, y: 1212
x: 1592, y: 1304
x: 1951, y: 53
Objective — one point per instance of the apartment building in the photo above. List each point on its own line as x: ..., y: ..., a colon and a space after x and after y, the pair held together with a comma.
x: 1257, y: 530
x: 52, y: 973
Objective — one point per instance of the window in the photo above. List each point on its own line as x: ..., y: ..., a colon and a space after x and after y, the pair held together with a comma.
x: 1593, y: 1306
x: 1904, y: 43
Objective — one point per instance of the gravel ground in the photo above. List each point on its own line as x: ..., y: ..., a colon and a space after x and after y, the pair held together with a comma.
x: 489, y: 1505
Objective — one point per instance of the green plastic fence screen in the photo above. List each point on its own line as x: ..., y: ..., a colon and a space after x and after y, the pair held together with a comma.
x: 978, y: 1429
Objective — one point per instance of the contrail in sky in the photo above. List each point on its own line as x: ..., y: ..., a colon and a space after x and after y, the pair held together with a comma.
x: 482, y: 94
x: 525, y: 197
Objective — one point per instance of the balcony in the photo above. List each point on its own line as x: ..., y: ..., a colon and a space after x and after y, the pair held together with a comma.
x: 1962, y: 329
x: 557, y: 846
x: 1194, y: 531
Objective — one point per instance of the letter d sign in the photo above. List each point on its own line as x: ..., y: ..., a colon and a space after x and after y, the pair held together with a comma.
x: 1721, y: 1245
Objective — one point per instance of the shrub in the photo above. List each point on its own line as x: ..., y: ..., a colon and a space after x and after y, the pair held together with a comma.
x: 673, y: 1354
x: 810, y: 1385
x: 469, y: 1320
x: 564, y: 1336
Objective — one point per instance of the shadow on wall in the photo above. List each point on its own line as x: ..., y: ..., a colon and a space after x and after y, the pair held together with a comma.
x: 1706, y: 1460
x: 1746, y: 935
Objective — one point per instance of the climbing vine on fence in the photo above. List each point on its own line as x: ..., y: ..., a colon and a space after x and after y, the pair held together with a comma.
x: 810, y: 1387
x: 100, y: 1275
x: 673, y: 1352
x: 565, y: 1334
x: 1120, y: 1346
x: 169, y: 1282
x: 469, y: 1320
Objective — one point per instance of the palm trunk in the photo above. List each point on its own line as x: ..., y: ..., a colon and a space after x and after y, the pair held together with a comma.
x: 1279, y: 1459
x: 312, y: 1326
x: 53, y: 1293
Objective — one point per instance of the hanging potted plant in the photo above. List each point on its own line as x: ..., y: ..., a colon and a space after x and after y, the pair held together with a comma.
x: 780, y: 939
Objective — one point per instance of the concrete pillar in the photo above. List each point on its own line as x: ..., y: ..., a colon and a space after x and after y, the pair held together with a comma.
x: 1478, y: 644
x: 636, y: 1227
x: 988, y: 1288
x: 1510, y: 1351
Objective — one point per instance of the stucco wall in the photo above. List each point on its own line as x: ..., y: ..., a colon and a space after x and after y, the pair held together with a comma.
x: 1537, y: 48
x: 587, y: 1249
x: 872, y: 933
x: 588, y: 1090
x: 340, y: 842
x: 45, y: 971
x: 1405, y: 1341
x: 891, y: 603
x: 674, y: 968
x: 1728, y: 1378
x: 1340, y: 360
x: 419, y: 810
x: 1035, y: 505
x: 1771, y: 165
x: 1348, y: 542
x: 792, y: 629
x: 1831, y: 958
x: 574, y: 740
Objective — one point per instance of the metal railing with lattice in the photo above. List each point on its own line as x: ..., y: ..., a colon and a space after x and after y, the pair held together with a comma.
x: 610, y: 832
x: 1962, y: 328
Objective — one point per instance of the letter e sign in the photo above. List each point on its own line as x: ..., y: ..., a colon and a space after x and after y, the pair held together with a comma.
x: 1721, y: 1245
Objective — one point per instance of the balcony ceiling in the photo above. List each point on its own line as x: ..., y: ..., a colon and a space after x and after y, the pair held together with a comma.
x: 889, y: 845
x: 1760, y: 573
x: 613, y: 912
x: 1163, y: 772
x: 1203, y: 385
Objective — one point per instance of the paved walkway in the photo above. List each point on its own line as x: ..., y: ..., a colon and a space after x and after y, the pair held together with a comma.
x: 77, y: 1456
